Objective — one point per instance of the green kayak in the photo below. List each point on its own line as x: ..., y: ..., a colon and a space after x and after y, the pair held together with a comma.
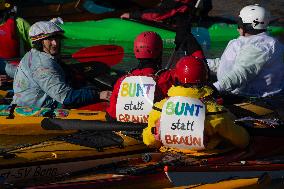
x: 120, y: 32
x: 117, y: 31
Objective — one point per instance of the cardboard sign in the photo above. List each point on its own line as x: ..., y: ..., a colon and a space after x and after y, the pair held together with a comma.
x: 182, y: 123
x: 135, y: 99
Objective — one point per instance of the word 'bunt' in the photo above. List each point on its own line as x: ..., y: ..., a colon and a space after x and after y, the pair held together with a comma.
x: 183, y: 109
x: 135, y: 89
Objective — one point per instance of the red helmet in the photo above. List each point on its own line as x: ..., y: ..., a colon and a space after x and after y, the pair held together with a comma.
x: 148, y: 45
x: 190, y: 69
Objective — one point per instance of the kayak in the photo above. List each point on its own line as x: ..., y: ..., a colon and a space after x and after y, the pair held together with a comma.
x: 259, y: 182
x: 22, y: 121
x: 123, y: 32
x: 58, y: 157
x: 224, y: 176
x: 159, y: 181
x: 68, y: 11
x: 117, y: 31
x: 110, y: 181
x: 27, y: 120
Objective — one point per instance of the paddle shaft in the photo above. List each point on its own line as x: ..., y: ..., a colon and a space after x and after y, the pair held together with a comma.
x: 90, y: 125
x: 170, y: 61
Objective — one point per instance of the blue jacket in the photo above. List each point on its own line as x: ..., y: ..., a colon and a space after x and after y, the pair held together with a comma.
x: 40, y: 81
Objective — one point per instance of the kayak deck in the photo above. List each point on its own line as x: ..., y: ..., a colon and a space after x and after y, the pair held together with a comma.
x: 72, y: 153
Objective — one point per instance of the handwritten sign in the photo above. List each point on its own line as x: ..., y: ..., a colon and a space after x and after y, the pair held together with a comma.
x: 182, y: 123
x: 135, y: 99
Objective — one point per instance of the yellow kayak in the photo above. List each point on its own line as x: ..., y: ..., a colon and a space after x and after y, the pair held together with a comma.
x: 27, y: 120
x: 63, y: 155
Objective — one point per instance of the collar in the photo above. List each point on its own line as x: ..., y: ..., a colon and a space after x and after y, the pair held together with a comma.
x: 199, y: 93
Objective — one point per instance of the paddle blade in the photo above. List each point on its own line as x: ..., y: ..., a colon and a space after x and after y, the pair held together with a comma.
x: 101, y: 106
x: 108, y: 54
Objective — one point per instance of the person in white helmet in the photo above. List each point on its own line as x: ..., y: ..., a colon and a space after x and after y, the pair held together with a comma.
x: 40, y: 80
x: 252, y: 64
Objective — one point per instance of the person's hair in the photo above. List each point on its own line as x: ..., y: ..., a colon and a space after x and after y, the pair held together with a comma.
x: 38, y: 45
x: 247, y: 27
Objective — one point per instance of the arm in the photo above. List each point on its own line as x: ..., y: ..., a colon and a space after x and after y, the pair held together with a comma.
x: 154, y: 116
x: 166, y: 9
x: 213, y: 64
x: 248, y: 64
x: 51, y: 79
x: 223, y: 124
x: 111, y: 110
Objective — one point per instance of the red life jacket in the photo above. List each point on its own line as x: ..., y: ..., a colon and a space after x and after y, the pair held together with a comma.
x: 9, y: 42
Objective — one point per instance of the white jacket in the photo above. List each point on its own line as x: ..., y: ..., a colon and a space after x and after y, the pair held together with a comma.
x: 251, y: 66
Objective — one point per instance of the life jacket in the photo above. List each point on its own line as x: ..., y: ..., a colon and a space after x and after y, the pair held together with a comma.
x: 135, y: 99
x: 182, y: 123
x: 10, y: 46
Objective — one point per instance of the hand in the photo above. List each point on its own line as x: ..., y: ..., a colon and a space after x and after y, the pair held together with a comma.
x: 3, y: 79
x: 125, y: 15
x: 157, y: 134
x: 105, y: 95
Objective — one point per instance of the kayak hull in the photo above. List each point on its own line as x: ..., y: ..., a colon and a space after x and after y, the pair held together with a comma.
x: 54, y: 158
x: 181, y: 176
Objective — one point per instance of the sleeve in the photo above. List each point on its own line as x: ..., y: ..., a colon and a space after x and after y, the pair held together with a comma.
x: 111, y: 110
x: 213, y: 64
x: 166, y: 9
x: 154, y: 116
x: 248, y: 64
x: 226, y: 128
x: 23, y: 31
x: 10, y: 69
x: 51, y: 79
x: 164, y: 83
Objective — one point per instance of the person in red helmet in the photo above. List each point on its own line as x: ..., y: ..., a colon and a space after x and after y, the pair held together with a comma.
x: 134, y: 93
x: 189, y: 120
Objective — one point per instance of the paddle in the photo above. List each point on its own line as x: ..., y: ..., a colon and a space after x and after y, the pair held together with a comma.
x: 107, y: 54
x: 174, y: 53
x: 90, y: 125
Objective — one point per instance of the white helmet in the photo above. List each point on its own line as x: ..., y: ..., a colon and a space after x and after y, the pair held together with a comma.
x: 255, y: 15
x: 44, y: 29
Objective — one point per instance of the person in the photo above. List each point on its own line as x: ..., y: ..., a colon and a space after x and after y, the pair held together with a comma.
x: 252, y: 64
x: 190, y: 120
x: 148, y: 49
x: 14, y: 34
x: 40, y: 80
x: 179, y: 14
